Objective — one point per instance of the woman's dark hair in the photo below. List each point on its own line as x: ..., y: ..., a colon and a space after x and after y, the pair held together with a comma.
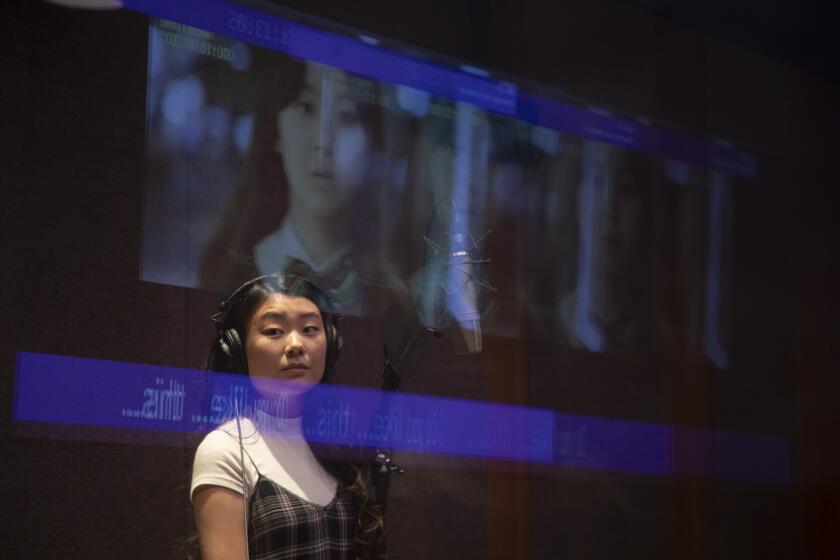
x: 236, y: 312
x: 260, y: 201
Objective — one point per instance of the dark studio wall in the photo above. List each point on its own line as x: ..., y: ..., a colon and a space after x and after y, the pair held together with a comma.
x: 72, y: 170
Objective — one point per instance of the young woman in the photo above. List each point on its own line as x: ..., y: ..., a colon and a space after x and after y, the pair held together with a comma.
x: 259, y: 471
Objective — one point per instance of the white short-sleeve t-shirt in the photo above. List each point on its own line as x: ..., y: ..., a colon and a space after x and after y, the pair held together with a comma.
x: 271, y: 446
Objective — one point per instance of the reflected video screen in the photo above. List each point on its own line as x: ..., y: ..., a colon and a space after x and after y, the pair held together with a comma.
x: 465, y: 196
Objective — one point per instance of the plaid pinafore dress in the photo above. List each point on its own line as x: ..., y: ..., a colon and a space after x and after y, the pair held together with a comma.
x: 282, y: 525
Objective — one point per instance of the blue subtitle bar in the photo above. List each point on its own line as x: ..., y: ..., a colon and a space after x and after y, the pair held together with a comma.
x: 60, y: 390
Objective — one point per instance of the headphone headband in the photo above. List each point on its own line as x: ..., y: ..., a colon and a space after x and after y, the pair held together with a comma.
x: 325, y: 306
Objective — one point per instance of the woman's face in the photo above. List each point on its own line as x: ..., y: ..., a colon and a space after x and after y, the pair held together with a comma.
x: 286, y: 346
x: 323, y: 143
x: 622, y: 222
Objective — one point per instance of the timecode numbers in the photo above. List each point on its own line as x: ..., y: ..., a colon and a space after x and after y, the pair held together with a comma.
x: 260, y: 28
x: 194, y: 44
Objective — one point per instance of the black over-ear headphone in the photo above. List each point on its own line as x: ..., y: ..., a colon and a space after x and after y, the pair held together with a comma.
x: 229, y: 340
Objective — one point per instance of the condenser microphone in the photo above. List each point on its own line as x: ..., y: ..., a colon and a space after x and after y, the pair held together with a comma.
x: 453, y: 280
x: 462, y: 297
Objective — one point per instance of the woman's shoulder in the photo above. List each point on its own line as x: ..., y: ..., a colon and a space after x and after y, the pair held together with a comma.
x: 228, y: 436
x: 222, y: 456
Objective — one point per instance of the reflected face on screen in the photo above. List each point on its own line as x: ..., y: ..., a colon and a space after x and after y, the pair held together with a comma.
x: 323, y: 142
x: 286, y: 343
x: 622, y: 221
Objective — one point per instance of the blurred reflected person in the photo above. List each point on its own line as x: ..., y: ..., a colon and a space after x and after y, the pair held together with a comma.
x: 307, y: 190
x: 612, y: 305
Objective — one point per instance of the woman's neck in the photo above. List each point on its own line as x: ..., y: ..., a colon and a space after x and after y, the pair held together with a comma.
x: 280, y: 415
x: 285, y: 406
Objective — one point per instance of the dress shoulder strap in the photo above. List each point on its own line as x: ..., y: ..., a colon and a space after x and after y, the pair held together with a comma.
x: 259, y: 474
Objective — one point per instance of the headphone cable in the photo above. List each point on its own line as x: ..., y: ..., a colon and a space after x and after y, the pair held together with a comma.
x: 244, y: 480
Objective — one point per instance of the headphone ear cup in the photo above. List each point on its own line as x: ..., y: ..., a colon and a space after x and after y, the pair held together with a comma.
x: 334, y: 345
x: 231, y: 344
